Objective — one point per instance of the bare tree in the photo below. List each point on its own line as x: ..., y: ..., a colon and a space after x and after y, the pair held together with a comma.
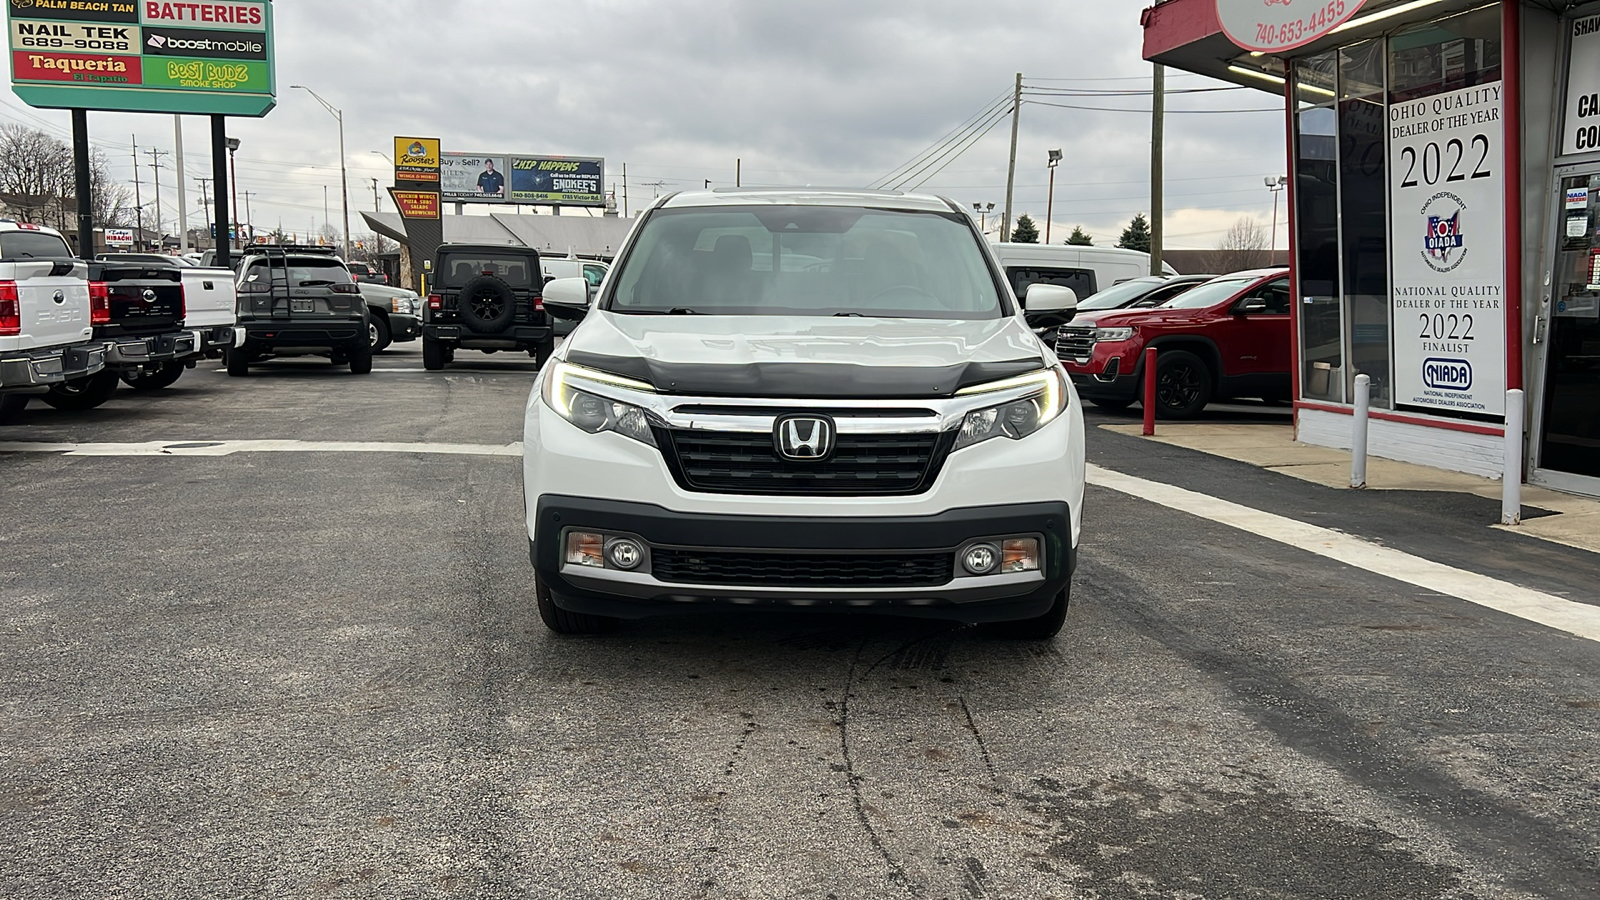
x: 1244, y: 246
x: 37, y: 183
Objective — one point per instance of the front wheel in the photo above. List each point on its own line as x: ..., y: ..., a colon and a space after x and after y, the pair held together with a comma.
x: 1183, y: 385
x: 378, y: 334
x: 433, y: 354
x: 156, y: 379
x: 83, y: 393
x: 563, y: 621
x: 360, y: 358
x: 1038, y: 628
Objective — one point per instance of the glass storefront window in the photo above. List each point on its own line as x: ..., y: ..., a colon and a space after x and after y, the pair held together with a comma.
x: 1317, y: 236
x: 1363, y: 220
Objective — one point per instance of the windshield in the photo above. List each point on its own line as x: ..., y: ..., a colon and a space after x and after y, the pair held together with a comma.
x: 1209, y: 294
x: 1118, y: 296
x: 32, y: 245
x: 460, y: 268
x: 807, y: 261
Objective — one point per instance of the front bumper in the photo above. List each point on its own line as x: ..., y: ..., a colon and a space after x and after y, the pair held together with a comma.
x: 404, y: 327
x: 41, y: 368
x: 640, y: 593
x: 129, y: 353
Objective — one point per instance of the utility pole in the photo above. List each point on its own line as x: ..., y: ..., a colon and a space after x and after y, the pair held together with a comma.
x: 1158, y: 116
x: 376, y: 207
x: 1011, y: 169
x: 624, y: 190
x: 183, y: 200
x: 205, y: 201
x: 249, y: 222
x: 155, y: 165
x: 138, y: 204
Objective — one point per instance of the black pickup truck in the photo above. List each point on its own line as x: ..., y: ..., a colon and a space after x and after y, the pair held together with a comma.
x: 146, y: 344
x: 485, y: 297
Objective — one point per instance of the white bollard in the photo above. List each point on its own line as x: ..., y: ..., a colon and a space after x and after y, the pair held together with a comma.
x: 1511, y: 476
x: 1358, y: 432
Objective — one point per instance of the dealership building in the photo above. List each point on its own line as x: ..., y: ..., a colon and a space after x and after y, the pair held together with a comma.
x: 1444, y: 163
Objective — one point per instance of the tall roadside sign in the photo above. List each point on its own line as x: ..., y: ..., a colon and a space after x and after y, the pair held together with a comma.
x: 416, y: 195
x: 210, y: 58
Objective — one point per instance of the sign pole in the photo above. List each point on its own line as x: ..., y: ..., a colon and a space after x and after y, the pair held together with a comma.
x: 219, y: 181
x: 183, y: 190
x: 80, y: 166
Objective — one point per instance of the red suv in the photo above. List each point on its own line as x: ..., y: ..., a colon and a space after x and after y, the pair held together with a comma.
x: 1226, y: 338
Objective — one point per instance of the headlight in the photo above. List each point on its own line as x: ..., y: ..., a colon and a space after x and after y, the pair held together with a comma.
x: 1017, y: 418
x: 592, y: 412
x: 1113, y: 334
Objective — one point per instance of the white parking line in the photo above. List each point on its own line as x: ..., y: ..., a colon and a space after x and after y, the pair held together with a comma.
x: 1575, y: 618
x: 228, y: 448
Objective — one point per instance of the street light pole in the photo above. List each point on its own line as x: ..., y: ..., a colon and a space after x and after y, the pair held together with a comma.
x: 1275, y: 184
x: 1050, y: 204
x: 344, y: 178
x: 233, y: 177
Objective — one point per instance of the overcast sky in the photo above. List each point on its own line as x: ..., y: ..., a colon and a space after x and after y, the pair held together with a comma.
x: 825, y: 92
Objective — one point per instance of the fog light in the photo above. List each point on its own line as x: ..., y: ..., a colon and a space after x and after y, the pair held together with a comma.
x: 980, y: 559
x: 1021, y: 555
x: 586, y: 549
x: 624, y: 553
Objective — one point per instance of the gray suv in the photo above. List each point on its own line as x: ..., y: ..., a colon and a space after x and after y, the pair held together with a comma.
x: 299, y: 301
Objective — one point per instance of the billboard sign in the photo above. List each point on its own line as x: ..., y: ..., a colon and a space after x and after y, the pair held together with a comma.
x: 416, y: 159
x: 119, y: 237
x: 143, y: 55
x: 559, y: 180
x: 474, y: 177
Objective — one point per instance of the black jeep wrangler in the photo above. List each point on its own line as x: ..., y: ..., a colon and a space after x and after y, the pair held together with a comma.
x: 485, y: 297
x: 299, y: 301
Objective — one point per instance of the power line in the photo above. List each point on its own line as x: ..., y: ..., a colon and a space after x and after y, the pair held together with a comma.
x: 953, y: 136
x: 1191, y: 112
x: 953, y: 151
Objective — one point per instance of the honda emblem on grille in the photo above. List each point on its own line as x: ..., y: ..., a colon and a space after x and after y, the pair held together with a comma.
x: 803, y: 438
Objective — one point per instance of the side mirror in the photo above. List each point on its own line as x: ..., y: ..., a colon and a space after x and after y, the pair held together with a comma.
x: 567, y: 298
x: 1250, y: 305
x: 1044, y: 305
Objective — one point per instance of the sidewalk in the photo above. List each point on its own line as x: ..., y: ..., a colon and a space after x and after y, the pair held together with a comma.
x: 1575, y: 521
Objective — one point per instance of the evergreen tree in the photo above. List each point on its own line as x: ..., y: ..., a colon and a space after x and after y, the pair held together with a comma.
x: 1080, y: 238
x: 1026, y: 232
x: 1137, y: 235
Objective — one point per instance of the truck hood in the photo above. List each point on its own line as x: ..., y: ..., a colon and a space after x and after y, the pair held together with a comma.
x: 805, y: 357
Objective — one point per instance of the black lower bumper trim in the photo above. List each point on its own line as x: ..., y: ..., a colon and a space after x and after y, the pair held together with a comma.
x: 946, y: 531
x: 1120, y: 388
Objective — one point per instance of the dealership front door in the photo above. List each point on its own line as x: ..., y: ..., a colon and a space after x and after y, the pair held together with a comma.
x: 1569, y: 426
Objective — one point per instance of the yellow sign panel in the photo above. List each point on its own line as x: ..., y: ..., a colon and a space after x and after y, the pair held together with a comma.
x: 416, y: 159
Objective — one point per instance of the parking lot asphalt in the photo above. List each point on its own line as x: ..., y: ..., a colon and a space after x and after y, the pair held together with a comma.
x: 320, y: 673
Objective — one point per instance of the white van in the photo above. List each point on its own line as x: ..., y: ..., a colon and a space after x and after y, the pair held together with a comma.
x: 1084, y: 269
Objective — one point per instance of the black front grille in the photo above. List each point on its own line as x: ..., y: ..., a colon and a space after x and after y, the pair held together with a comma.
x: 1075, y: 342
x: 736, y: 462
x: 774, y: 569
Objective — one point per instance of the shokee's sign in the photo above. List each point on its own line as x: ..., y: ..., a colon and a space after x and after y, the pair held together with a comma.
x: 1270, y: 26
x: 143, y: 56
x: 1447, y: 238
x: 562, y: 180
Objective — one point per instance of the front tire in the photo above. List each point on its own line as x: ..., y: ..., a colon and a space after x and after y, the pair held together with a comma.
x: 360, y: 358
x: 1038, y: 628
x: 563, y: 621
x: 1183, y: 385
x: 379, y: 335
x: 155, y: 381
x: 83, y: 393
x: 433, y: 354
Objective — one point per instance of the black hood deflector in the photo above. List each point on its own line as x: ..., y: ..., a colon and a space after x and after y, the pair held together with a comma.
x: 806, y: 381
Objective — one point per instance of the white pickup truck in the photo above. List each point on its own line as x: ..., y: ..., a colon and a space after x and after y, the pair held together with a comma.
x: 47, y: 316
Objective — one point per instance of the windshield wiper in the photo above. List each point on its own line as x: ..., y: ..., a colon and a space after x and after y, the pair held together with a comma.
x: 681, y: 311
x: 850, y: 314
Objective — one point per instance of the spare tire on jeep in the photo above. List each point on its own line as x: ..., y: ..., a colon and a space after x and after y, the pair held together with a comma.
x: 486, y: 304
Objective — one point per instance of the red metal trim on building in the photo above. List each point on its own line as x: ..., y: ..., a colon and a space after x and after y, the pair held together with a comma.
x: 1177, y: 23
x: 1467, y: 427
x: 1511, y: 85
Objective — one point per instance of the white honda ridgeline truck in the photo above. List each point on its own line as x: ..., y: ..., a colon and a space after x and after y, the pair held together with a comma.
x: 804, y: 399
x: 46, y: 316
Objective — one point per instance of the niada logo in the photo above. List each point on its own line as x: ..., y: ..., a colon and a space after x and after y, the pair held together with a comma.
x: 1447, y: 374
x: 1444, y: 246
